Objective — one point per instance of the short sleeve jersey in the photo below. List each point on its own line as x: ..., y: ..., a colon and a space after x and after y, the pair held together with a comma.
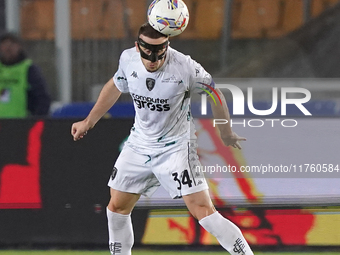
x: 162, y: 98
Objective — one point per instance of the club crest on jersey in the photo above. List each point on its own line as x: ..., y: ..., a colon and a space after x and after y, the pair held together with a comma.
x: 114, y: 173
x: 150, y: 83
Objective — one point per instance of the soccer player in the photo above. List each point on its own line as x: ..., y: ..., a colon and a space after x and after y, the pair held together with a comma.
x: 161, y: 148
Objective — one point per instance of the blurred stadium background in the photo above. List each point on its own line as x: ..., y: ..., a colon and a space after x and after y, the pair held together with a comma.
x: 53, y: 192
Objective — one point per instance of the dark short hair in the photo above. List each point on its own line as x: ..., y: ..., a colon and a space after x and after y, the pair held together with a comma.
x: 12, y: 37
x: 147, y: 30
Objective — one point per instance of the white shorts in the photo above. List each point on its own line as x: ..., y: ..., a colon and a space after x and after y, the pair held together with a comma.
x: 174, y: 167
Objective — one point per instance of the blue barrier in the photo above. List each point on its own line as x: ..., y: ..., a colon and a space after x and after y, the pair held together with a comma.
x: 81, y: 110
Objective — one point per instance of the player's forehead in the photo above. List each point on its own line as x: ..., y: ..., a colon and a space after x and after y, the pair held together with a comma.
x: 153, y: 41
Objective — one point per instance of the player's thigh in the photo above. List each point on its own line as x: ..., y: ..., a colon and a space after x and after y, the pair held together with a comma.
x: 199, y: 204
x: 122, y: 202
x: 132, y: 173
x: 177, y: 172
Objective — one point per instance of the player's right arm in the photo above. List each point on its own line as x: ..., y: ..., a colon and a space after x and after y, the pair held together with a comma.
x: 107, y: 98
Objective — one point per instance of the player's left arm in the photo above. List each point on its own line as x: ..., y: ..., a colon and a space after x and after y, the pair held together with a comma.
x: 228, y: 136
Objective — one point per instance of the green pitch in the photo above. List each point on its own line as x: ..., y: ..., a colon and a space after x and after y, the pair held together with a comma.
x: 153, y: 252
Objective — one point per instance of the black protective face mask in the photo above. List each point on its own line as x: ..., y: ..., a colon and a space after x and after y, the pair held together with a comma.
x: 153, y: 57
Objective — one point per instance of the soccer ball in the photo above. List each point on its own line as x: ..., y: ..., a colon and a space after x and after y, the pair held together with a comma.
x: 170, y: 17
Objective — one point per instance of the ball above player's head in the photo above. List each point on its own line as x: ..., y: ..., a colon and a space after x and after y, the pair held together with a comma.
x: 170, y: 17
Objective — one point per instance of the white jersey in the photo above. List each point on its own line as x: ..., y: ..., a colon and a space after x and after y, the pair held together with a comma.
x: 162, y: 98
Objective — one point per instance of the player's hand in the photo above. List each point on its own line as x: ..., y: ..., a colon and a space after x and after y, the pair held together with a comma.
x: 80, y: 129
x: 233, y: 140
